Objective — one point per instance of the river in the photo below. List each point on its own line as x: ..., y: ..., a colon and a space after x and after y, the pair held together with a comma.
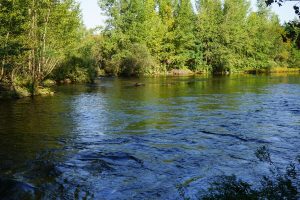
x: 166, y: 139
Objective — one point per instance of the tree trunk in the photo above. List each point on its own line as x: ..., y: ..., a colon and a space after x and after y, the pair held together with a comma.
x: 3, y: 60
x: 43, y: 63
x: 33, y: 53
x: 1, y: 72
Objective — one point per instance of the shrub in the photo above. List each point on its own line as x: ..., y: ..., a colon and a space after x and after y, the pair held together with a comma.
x: 76, y: 69
x: 279, y: 185
x: 138, y: 61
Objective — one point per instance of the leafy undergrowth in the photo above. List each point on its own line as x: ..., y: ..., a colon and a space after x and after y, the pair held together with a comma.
x: 279, y: 185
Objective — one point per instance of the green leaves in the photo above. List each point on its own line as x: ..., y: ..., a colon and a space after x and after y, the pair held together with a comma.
x: 218, y: 36
x: 235, y: 39
x: 36, y: 36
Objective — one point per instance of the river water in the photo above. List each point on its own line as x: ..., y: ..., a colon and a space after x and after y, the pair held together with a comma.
x: 164, y: 140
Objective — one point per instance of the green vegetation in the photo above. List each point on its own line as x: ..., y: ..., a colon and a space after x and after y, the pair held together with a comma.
x: 279, y: 185
x: 36, y: 39
x: 45, y: 39
x: 80, y: 63
x: 211, y: 36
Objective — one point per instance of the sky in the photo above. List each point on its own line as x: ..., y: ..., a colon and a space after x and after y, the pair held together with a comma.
x: 92, y: 16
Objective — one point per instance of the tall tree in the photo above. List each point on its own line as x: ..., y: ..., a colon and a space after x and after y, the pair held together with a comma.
x: 131, y: 23
x: 266, y: 50
x: 209, y: 21
x: 53, y: 26
x: 234, y: 34
x: 12, y: 19
x: 167, y: 12
x: 221, y: 36
x: 36, y: 35
x: 184, y: 30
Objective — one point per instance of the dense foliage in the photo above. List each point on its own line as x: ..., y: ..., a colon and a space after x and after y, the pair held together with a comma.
x: 36, y: 37
x: 46, y: 39
x: 210, y: 35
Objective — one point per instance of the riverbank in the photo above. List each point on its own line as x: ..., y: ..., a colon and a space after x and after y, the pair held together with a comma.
x: 18, y: 92
x: 46, y: 88
x: 21, y: 92
x: 273, y: 70
x: 187, y: 72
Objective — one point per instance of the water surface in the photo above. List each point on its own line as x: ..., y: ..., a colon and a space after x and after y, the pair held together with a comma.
x: 165, y: 140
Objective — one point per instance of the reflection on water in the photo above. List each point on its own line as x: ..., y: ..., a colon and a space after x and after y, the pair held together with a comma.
x: 112, y: 140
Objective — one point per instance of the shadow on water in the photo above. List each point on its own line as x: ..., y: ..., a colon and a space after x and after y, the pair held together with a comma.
x: 169, y: 137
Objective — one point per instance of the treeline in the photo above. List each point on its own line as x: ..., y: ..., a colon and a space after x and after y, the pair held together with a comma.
x: 40, y: 39
x: 46, y: 39
x: 153, y: 36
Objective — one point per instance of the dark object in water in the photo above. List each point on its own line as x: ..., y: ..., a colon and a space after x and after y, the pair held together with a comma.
x: 139, y: 84
x: 14, y: 190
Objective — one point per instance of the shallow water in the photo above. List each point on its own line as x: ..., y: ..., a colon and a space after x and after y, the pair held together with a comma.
x: 165, y: 140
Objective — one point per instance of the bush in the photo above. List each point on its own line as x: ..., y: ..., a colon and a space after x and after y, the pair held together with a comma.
x: 280, y: 185
x: 138, y: 61
x: 48, y: 83
x: 76, y: 69
x: 228, y: 187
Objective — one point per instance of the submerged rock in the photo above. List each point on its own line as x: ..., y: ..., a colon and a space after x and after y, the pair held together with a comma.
x: 14, y: 190
x: 139, y: 84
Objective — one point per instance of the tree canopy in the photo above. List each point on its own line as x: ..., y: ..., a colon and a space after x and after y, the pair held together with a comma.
x: 46, y: 39
x: 209, y: 36
x: 36, y: 37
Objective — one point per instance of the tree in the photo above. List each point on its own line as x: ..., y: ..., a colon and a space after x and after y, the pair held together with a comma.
x: 49, y: 40
x: 166, y: 13
x: 292, y: 37
x: 131, y: 23
x: 219, y: 36
x: 12, y: 19
x: 234, y: 35
x: 35, y: 38
x: 208, y: 31
x: 184, y: 31
x: 292, y: 30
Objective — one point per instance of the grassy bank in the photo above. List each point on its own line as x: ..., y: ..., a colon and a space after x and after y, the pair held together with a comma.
x: 273, y: 70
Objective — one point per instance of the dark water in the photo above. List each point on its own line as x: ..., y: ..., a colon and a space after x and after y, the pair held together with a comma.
x: 165, y: 140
